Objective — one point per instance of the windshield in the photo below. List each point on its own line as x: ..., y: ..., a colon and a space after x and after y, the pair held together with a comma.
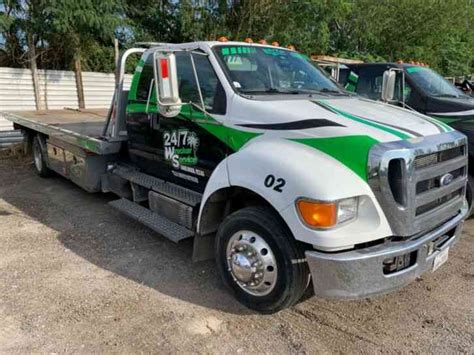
x: 263, y: 70
x: 433, y: 83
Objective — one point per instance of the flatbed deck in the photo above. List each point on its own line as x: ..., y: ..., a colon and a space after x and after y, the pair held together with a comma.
x: 81, y: 128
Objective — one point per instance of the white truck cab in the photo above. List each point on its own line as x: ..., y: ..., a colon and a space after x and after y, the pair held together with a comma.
x: 280, y: 174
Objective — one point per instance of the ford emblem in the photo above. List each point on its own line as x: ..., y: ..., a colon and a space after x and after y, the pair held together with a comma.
x: 446, y: 179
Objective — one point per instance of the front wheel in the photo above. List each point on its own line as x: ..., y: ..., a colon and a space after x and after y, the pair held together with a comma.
x: 260, y: 261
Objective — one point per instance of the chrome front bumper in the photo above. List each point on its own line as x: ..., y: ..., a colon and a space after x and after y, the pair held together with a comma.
x: 359, y: 273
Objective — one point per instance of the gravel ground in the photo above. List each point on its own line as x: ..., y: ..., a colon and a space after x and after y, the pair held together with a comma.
x: 76, y: 276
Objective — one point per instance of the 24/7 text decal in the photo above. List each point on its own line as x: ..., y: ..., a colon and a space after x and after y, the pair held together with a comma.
x: 181, y: 147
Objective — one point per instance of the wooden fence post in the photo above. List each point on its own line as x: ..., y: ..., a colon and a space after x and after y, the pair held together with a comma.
x: 79, y: 84
x: 34, y: 72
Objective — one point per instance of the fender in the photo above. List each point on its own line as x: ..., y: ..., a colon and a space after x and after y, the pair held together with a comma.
x: 281, y: 171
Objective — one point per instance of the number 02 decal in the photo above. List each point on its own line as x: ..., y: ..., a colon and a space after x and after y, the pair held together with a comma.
x: 275, y: 183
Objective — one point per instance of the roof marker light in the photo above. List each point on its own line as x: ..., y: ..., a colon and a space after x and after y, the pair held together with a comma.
x: 248, y: 40
x: 223, y: 39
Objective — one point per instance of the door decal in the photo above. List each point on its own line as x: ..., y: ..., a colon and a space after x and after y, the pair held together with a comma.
x: 181, y: 147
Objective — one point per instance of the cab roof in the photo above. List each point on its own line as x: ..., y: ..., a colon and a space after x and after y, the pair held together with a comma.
x: 211, y: 44
x: 384, y: 65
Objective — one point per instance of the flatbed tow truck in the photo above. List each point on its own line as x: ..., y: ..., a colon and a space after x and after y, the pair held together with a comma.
x: 274, y: 170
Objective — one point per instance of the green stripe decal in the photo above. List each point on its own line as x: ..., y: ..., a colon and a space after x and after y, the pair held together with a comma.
x: 233, y: 138
x: 352, y: 151
x: 365, y: 121
x: 444, y: 121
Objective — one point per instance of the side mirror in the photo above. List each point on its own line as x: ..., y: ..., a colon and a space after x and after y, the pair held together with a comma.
x: 166, y: 77
x: 388, y: 85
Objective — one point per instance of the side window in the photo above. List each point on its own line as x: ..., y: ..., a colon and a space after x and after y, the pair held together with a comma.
x: 186, y: 81
x: 146, y: 77
x: 370, y: 87
x: 402, y: 92
x: 212, y: 92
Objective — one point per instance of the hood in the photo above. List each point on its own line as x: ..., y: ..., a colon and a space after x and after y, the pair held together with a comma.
x: 450, y: 110
x: 344, y: 128
x: 325, y: 118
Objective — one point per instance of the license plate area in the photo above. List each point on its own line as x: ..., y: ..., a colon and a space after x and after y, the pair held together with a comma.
x: 440, y: 259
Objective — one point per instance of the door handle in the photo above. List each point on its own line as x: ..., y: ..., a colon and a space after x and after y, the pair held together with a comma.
x: 154, y: 121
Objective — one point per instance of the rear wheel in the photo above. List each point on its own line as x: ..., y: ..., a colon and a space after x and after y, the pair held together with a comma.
x: 39, y: 158
x: 260, y: 261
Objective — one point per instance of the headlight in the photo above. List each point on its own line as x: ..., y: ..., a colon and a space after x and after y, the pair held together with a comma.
x: 321, y: 214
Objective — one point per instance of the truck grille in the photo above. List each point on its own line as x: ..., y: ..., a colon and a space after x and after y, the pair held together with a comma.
x: 419, y: 183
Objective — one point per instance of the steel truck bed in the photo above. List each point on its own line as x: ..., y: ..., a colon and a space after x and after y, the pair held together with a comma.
x: 82, y: 129
x: 73, y: 142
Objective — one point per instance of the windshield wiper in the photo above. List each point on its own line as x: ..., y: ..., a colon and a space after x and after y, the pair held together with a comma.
x: 275, y: 91
x: 331, y: 91
x: 446, y: 95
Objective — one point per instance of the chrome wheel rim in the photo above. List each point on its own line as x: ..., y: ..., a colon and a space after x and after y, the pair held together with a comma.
x: 251, y: 263
x: 37, y: 157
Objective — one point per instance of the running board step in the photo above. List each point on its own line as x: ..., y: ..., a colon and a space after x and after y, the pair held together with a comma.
x: 182, y: 194
x: 160, y: 224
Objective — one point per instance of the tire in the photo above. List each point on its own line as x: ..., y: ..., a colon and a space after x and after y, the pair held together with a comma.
x: 281, y: 275
x: 39, y: 159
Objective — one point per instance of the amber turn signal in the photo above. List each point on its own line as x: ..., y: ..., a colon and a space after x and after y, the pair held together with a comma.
x: 318, y: 214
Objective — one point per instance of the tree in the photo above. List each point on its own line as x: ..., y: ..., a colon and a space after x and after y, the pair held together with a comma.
x: 81, y: 24
x: 436, y: 32
x: 80, y: 32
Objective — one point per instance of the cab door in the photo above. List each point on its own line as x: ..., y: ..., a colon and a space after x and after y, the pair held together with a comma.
x: 182, y: 149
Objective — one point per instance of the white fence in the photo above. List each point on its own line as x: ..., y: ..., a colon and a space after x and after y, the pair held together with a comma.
x: 57, y: 90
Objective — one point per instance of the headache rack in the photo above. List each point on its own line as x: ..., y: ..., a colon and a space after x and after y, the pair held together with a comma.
x: 421, y: 182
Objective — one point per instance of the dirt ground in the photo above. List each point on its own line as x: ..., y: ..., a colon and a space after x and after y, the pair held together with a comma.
x: 76, y: 276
